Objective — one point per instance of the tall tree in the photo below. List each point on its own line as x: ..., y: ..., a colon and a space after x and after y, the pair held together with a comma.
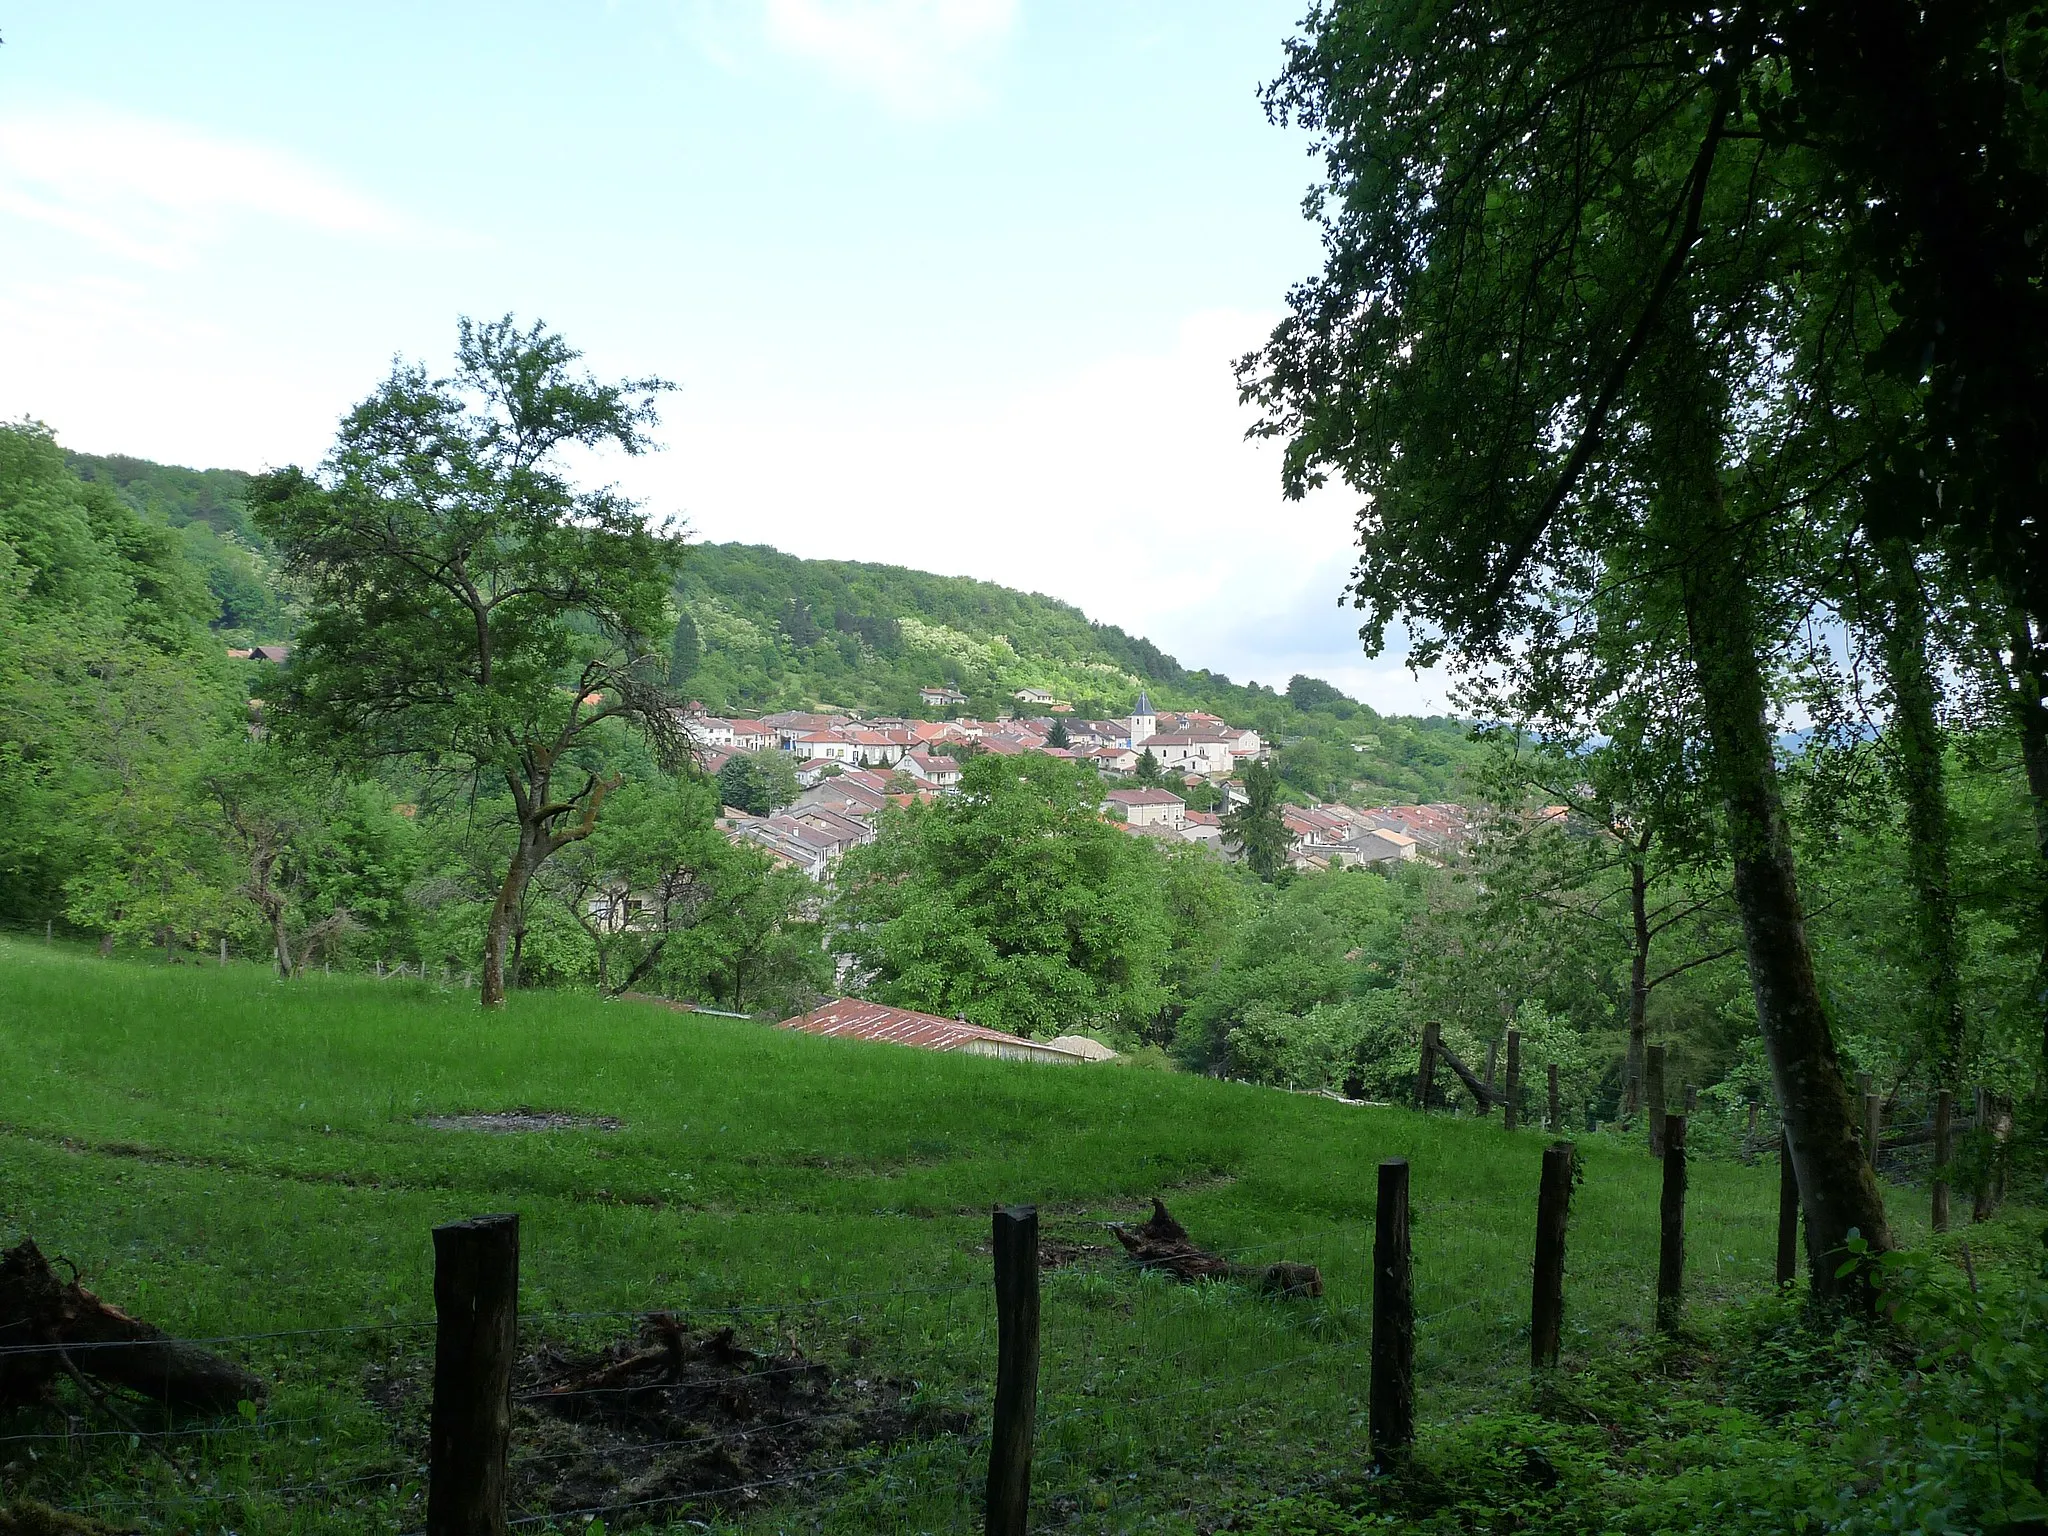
x: 470, y: 610
x: 1012, y: 903
x: 1540, y: 347
x: 1255, y: 829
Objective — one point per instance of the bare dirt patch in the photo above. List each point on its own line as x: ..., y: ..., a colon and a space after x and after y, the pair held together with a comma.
x: 512, y: 1121
x: 682, y: 1417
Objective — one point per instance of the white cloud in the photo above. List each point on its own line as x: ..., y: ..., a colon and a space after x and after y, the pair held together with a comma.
x: 920, y: 58
x: 1127, y: 488
x: 156, y: 192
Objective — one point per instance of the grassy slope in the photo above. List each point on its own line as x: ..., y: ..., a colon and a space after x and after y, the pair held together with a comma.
x: 229, y: 1155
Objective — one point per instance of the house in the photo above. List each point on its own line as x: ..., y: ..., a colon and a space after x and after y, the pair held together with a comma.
x: 1033, y: 696
x: 1203, y: 749
x: 1118, y: 760
x: 1147, y: 807
x: 790, y: 726
x: 752, y: 736
x: 885, y: 748
x: 277, y: 654
x: 849, y: 1018
x: 708, y: 730
x: 813, y: 846
x: 1380, y: 847
x: 829, y: 745
x: 939, y: 772
x: 939, y: 698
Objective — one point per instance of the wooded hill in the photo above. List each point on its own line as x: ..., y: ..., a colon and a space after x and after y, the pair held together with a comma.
x: 760, y: 630
x: 770, y: 631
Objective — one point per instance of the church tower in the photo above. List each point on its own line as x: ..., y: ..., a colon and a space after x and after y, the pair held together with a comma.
x: 1143, y: 722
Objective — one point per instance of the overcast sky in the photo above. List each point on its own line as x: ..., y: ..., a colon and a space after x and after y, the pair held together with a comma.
x: 949, y: 283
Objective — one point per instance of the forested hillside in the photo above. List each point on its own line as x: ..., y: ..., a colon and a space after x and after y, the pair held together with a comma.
x: 769, y: 631
x: 759, y: 630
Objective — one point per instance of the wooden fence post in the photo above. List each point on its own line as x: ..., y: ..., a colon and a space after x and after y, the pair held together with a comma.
x: 1553, y: 1210
x: 1016, y: 1401
x: 1390, y: 1396
x: 1425, y: 1075
x: 1691, y: 1099
x: 1492, y: 1060
x: 1872, y: 1126
x: 476, y: 1334
x: 1653, y: 1096
x: 1556, y: 1105
x: 1512, y: 1111
x: 1788, y: 1211
x: 1671, y: 1228
x: 1944, y: 1118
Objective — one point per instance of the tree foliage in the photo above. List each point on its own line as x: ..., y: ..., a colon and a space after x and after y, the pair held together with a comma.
x: 469, y: 610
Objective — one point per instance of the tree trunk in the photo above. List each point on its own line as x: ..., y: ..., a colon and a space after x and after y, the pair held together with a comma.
x: 505, y: 912
x: 1638, y: 990
x: 2027, y: 697
x: 1837, y: 1188
x: 1918, y: 742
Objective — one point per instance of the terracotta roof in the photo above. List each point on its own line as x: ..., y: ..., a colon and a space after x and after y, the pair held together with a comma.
x: 1144, y: 797
x: 851, y: 1018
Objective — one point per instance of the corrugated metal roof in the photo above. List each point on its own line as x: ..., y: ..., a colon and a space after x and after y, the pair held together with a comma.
x: 852, y: 1018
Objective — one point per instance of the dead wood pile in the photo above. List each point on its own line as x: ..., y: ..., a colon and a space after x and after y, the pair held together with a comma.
x: 681, y: 1417
x: 1163, y: 1243
x: 51, y: 1327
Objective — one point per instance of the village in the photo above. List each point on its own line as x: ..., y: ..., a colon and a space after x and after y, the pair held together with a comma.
x: 850, y: 769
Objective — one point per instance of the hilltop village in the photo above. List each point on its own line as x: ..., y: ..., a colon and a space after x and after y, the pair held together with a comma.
x: 1171, y: 775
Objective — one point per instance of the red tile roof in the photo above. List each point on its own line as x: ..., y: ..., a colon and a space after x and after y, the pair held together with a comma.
x: 851, y: 1018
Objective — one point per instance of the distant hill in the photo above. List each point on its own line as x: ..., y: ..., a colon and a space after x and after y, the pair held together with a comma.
x: 767, y: 631
x: 761, y: 630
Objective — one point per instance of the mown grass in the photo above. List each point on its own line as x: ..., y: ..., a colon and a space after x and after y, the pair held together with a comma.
x: 227, y: 1155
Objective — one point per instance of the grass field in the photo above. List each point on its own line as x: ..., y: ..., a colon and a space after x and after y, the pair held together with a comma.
x: 230, y: 1156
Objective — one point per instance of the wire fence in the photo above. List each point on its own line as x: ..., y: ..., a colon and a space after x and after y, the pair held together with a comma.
x: 870, y: 1408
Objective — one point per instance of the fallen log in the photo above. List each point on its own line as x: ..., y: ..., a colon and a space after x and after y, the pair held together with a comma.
x: 1163, y: 1243
x: 51, y: 1327
x: 1485, y: 1093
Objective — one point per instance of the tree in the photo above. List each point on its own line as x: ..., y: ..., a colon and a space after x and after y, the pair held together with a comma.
x: 469, y: 610
x: 1011, y: 903
x: 274, y: 814
x: 1058, y: 737
x: 1148, y: 769
x: 1564, y: 261
x: 685, y: 652
x: 1255, y: 830
x: 740, y: 785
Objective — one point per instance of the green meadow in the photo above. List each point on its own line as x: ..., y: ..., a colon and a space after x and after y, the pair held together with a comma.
x: 240, y: 1159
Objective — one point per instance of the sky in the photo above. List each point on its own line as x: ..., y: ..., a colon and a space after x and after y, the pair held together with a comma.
x: 952, y: 284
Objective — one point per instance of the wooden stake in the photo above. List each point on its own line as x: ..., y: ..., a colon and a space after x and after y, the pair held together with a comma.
x: 1492, y: 1058
x: 1512, y: 1110
x: 1390, y: 1399
x: 1556, y: 1121
x: 1425, y: 1075
x: 1671, y: 1228
x: 1653, y: 1096
x: 1692, y: 1098
x: 223, y: 950
x: 476, y: 1312
x: 1944, y: 1116
x: 1553, y: 1210
x: 1872, y: 1111
x: 1788, y: 1211
x: 1016, y: 1400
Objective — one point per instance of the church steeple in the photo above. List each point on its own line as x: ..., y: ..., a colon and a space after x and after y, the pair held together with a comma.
x: 1143, y: 722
